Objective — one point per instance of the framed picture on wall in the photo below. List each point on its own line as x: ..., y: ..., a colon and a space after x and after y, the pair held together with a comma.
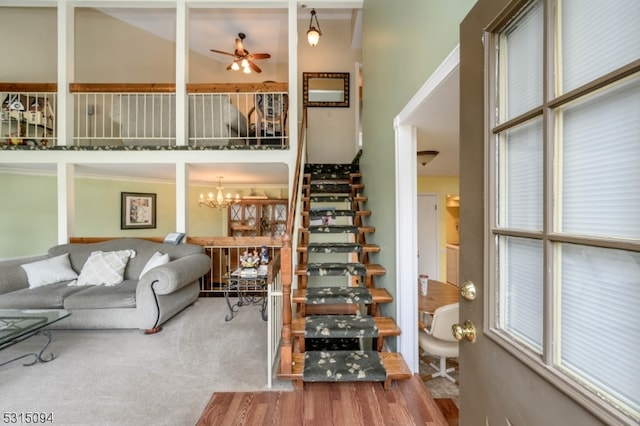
x: 138, y: 210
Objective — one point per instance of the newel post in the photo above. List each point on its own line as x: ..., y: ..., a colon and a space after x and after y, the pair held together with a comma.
x: 286, y: 344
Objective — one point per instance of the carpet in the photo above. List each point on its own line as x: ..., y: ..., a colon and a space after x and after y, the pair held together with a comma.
x: 124, y: 377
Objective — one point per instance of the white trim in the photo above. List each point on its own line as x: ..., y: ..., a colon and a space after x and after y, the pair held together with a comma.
x: 406, y: 244
x: 406, y: 211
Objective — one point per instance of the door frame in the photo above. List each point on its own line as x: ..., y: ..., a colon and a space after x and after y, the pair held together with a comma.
x: 407, y: 212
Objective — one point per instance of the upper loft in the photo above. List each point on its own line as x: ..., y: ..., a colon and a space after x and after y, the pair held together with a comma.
x: 143, y: 74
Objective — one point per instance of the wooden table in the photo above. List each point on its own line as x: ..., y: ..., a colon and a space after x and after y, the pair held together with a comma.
x: 438, y: 294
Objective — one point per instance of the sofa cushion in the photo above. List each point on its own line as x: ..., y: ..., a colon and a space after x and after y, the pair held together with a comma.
x: 45, y: 297
x: 105, y: 267
x: 122, y: 295
x: 49, y: 271
x: 156, y: 260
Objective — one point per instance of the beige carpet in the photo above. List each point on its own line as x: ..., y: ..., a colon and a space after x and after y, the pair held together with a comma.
x: 440, y: 387
x: 123, y: 377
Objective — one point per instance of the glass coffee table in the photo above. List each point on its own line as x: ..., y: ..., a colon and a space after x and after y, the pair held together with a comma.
x: 17, y: 325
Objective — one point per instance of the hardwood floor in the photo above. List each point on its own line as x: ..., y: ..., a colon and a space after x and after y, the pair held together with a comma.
x: 407, y: 403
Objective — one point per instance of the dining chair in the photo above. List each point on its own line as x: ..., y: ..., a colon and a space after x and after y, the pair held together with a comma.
x: 438, y: 341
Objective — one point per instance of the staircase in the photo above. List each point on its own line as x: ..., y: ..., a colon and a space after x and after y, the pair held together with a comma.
x: 337, y: 332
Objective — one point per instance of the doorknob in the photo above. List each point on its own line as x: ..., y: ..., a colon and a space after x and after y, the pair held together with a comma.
x: 466, y: 330
x: 468, y: 290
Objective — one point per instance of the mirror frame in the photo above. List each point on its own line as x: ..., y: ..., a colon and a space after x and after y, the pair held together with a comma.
x: 344, y: 76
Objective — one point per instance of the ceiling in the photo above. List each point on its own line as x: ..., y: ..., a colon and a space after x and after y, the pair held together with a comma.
x: 436, y: 119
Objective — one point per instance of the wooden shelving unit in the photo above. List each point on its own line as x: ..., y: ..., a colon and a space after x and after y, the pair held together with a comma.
x: 261, y: 217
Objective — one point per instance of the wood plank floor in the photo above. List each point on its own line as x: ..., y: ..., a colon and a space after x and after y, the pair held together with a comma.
x: 407, y: 403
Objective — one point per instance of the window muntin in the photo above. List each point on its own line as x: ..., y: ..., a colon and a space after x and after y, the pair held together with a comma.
x: 580, y: 224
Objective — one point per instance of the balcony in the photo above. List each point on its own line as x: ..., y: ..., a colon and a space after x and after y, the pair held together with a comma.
x: 146, y: 116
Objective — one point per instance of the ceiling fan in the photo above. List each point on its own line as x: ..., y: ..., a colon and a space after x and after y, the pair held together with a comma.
x: 242, y: 57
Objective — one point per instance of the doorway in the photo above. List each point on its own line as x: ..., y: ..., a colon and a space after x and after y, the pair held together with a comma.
x: 428, y: 236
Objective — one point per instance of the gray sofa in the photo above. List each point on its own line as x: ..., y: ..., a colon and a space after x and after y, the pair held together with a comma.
x: 143, y: 302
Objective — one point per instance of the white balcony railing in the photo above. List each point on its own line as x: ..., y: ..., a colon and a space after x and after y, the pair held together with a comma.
x: 213, y: 119
x: 28, y: 118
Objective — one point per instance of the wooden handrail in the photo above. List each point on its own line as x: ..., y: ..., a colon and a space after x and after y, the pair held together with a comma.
x: 122, y: 87
x: 286, y: 338
x: 237, y: 87
x: 159, y: 87
x: 29, y: 87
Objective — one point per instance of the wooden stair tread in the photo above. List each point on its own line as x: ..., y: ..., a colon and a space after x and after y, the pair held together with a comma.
x: 379, y: 295
x: 393, y: 363
x: 372, y: 269
x: 386, y: 326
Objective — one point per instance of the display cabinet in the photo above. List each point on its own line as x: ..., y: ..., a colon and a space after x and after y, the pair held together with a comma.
x: 252, y: 218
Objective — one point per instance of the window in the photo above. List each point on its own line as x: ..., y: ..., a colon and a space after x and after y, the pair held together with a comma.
x: 564, y: 224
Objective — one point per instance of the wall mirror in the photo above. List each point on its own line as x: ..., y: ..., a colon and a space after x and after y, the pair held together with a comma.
x: 325, y: 89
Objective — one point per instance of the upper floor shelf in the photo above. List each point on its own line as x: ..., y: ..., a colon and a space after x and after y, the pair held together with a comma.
x: 216, y: 116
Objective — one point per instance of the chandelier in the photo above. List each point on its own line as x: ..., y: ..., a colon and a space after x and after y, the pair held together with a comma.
x: 220, y: 201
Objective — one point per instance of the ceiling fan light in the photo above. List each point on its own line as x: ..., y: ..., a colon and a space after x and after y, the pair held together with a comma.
x: 245, y: 63
x: 246, y: 70
x: 235, y: 66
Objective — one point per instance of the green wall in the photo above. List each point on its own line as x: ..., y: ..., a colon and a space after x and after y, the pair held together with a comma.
x: 97, y: 207
x: 28, y: 218
x: 29, y: 214
x: 403, y: 43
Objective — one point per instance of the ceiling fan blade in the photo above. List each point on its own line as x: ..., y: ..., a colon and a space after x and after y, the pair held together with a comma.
x: 259, y: 56
x: 224, y: 53
x: 254, y: 67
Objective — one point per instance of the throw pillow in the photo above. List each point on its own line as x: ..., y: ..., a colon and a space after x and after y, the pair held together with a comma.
x: 156, y: 259
x: 49, y: 271
x: 105, y: 267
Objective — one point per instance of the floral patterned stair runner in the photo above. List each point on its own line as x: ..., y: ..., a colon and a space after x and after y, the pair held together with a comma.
x: 318, y: 213
x: 332, y: 342
x: 337, y: 295
x: 340, y: 326
x: 327, y: 269
x: 330, y: 188
x: 331, y: 171
x: 343, y: 366
x: 340, y: 198
x: 334, y: 248
x: 334, y: 229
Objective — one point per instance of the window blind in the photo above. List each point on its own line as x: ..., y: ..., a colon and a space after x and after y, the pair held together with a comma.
x: 597, y: 37
x: 600, y: 142
x: 524, y: 63
x: 598, y: 317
